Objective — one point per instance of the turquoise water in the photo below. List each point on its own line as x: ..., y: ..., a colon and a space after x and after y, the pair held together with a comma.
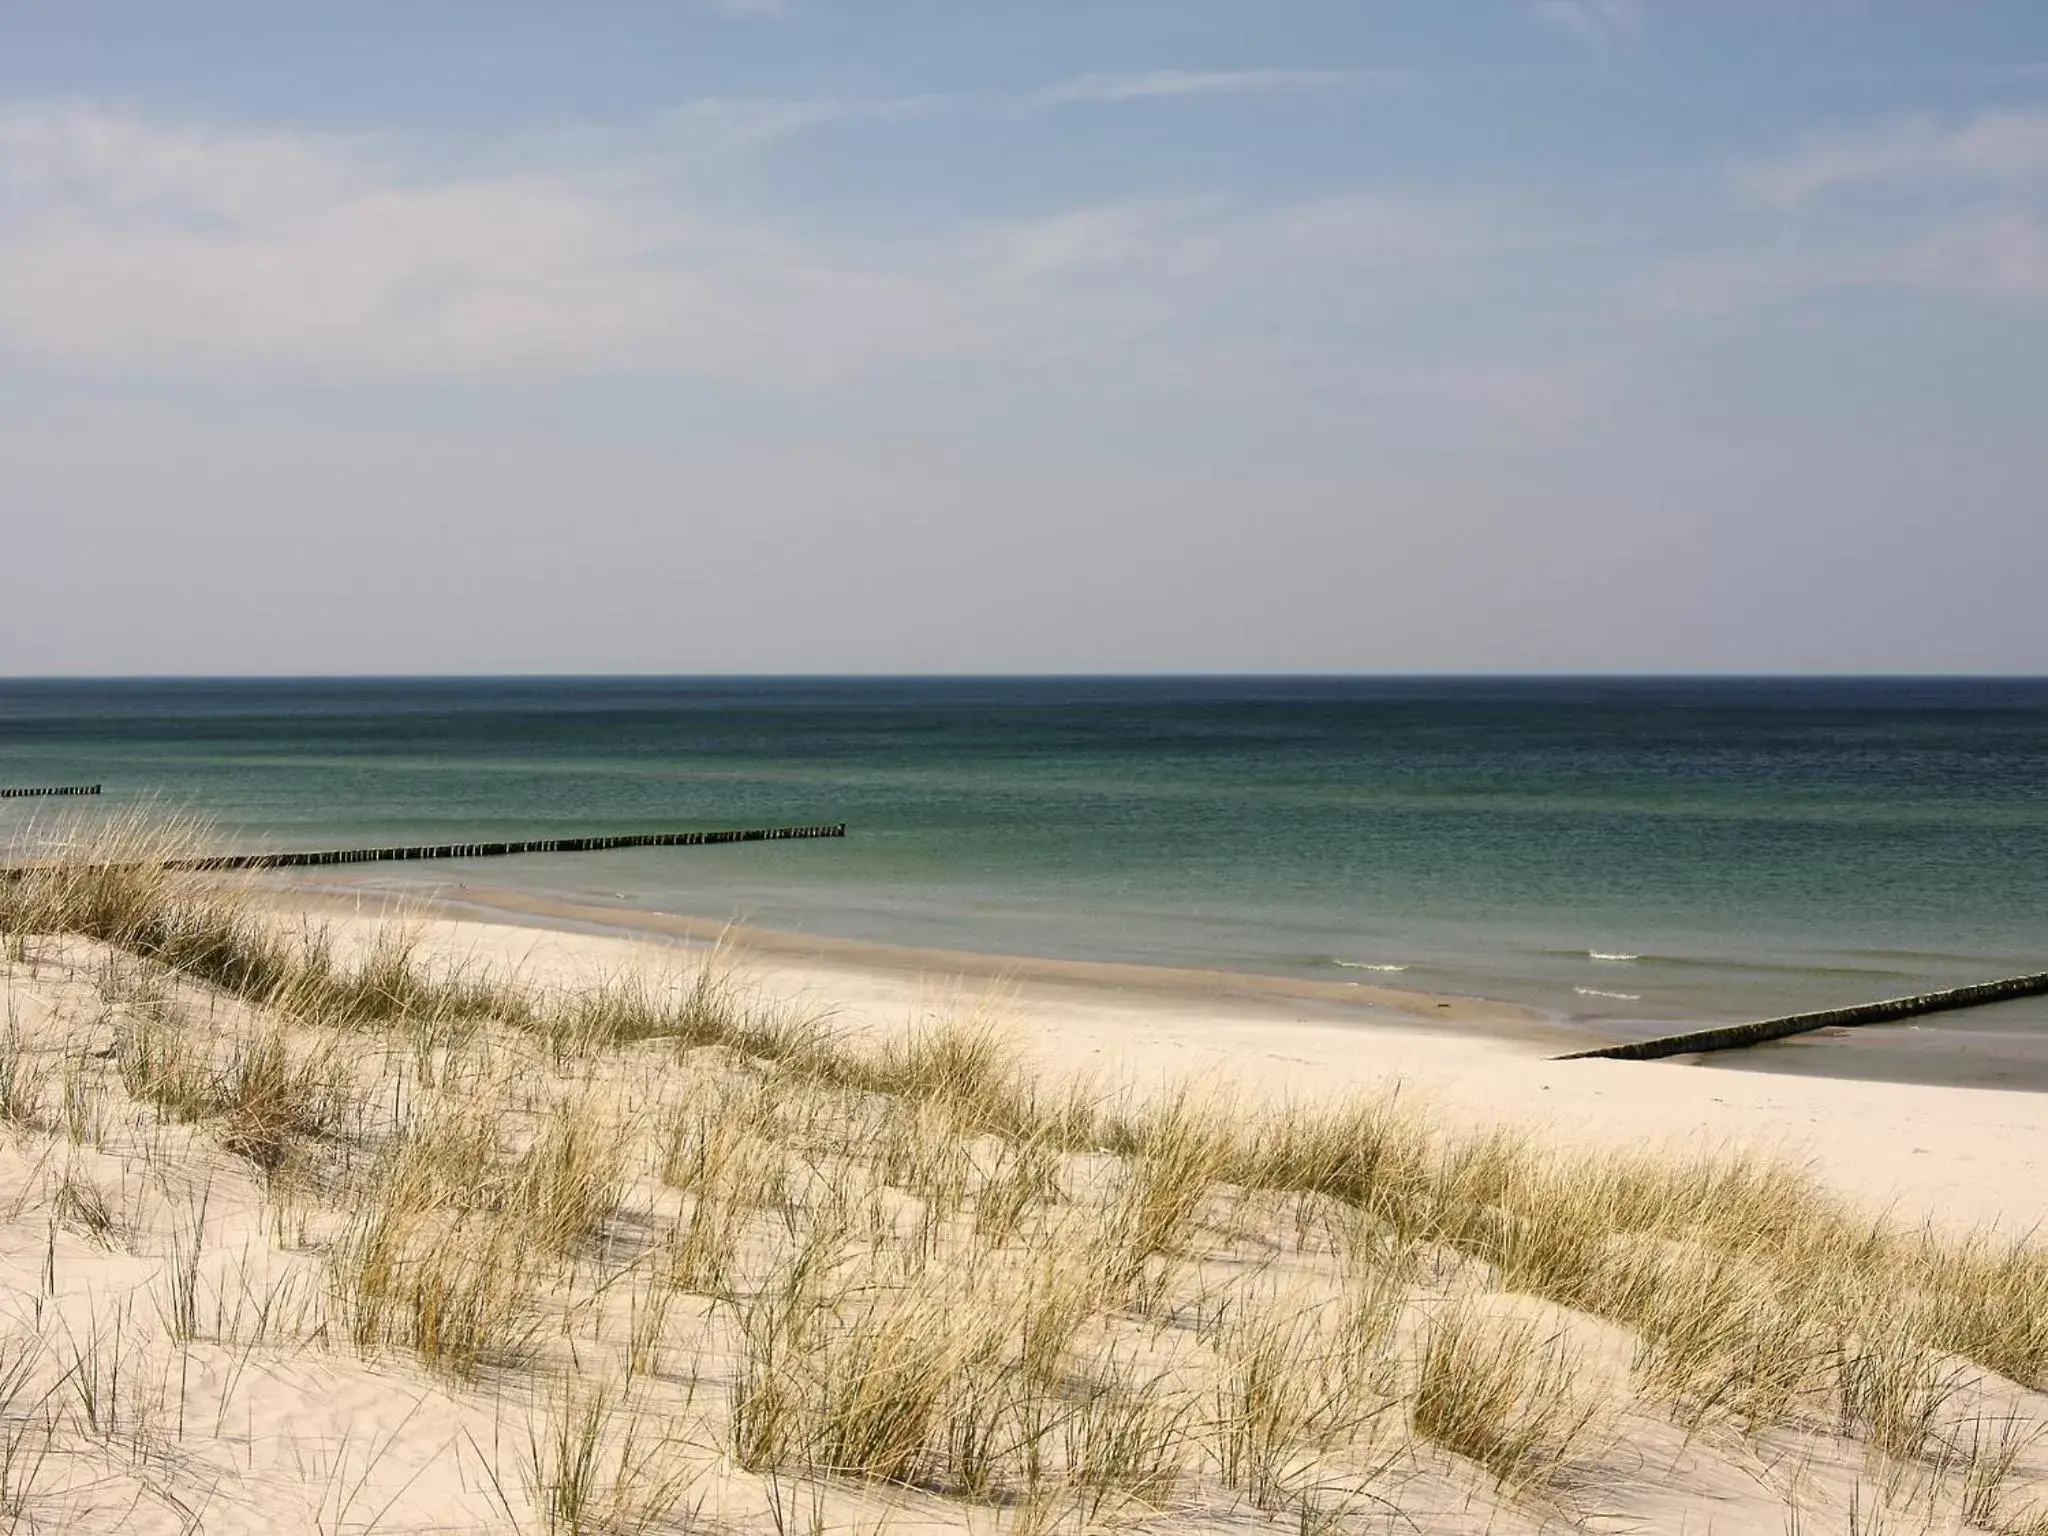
x: 1754, y: 845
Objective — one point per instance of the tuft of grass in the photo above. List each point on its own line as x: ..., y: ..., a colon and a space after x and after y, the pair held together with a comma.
x: 261, y: 1102
x: 942, y: 1382
x: 588, y: 1466
x: 181, y: 1268
x: 1377, y: 1156
x: 1988, y: 1458
x: 1026, y: 1176
x: 647, y: 1324
x: 1896, y: 1391
x: 565, y: 1466
x: 85, y: 1106
x: 874, y: 1381
x: 446, y: 1158
x: 437, y: 1260
x: 1294, y: 1389
x: 23, y: 1077
x: 631, y: 1006
x: 920, y: 1150
x: 28, y: 1424
x: 1719, y: 1332
x: 88, y: 1209
x: 707, y: 1246
x: 767, y: 1397
x: 1500, y: 1394
x: 1985, y: 1300
x: 26, y: 1445
x: 268, y: 1098
x: 719, y: 1155
x: 459, y: 1300
x: 1175, y: 1159
x: 101, y: 1373
x: 964, y: 1064
x: 568, y: 1183
x: 880, y: 1386
x: 158, y: 1057
x: 1127, y: 1441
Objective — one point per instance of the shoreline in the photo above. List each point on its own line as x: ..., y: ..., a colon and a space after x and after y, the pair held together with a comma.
x: 1956, y: 1155
x: 1361, y: 1003
x: 1905, y: 1053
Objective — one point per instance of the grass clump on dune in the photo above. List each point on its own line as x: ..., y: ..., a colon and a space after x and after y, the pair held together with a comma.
x: 1500, y: 1393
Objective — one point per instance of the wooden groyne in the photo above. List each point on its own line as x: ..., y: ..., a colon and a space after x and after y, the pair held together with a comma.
x: 503, y: 850
x: 1733, y: 1036
x: 52, y: 789
x: 305, y: 860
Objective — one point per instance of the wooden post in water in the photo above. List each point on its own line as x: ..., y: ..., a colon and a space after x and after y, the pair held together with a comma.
x: 1728, y: 1037
x: 54, y: 789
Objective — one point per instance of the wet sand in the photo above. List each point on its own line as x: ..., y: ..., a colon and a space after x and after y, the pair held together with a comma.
x: 2003, y: 1046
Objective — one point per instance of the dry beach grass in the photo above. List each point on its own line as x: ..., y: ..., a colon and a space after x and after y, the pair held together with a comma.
x: 323, y: 1232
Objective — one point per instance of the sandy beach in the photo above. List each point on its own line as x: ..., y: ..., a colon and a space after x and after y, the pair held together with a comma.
x: 1920, y: 1150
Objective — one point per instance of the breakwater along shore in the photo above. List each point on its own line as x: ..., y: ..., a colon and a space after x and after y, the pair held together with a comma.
x: 1728, y: 1037
x: 327, y: 856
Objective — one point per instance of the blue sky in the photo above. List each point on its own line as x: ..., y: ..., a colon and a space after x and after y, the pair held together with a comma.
x: 799, y: 335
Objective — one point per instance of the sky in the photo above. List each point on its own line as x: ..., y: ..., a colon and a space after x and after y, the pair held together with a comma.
x: 683, y: 336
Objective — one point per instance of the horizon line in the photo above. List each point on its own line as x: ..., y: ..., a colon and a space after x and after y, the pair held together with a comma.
x: 1191, y: 674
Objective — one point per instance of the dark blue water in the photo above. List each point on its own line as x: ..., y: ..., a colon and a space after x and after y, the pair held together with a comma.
x: 1753, y: 844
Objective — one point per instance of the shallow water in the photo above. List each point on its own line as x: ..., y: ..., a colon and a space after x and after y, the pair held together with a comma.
x: 1631, y: 851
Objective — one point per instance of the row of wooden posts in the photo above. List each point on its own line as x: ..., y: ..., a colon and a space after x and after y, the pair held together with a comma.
x: 302, y: 860
x: 501, y: 850
x: 51, y: 789
x: 1885, y: 1011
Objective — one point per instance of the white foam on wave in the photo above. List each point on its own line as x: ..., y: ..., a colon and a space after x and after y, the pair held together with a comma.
x: 1363, y: 965
x: 1594, y: 954
x: 1622, y: 997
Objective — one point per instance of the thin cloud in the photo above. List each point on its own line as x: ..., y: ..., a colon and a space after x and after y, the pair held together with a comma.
x: 131, y: 244
x: 1160, y: 84
x: 731, y: 125
x: 760, y: 10
x: 1595, y: 24
x: 1996, y: 146
x: 2001, y: 256
x: 736, y: 124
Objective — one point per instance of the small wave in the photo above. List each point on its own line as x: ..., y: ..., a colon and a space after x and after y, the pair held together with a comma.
x: 1620, y: 997
x: 1594, y: 954
x: 1363, y: 965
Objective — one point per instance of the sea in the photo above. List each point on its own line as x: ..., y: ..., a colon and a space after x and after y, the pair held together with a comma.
x: 1623, y: 852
